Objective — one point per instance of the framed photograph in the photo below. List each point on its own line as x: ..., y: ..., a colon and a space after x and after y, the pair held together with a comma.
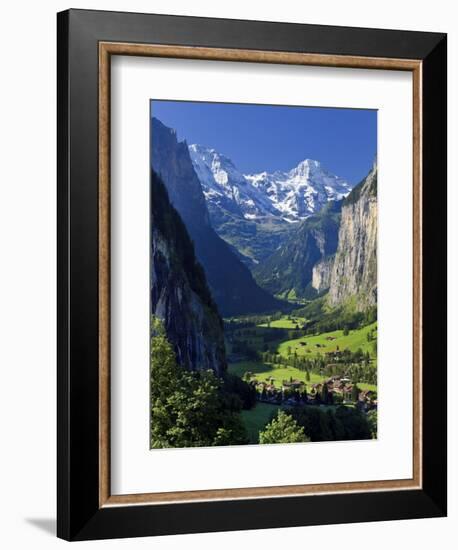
x: 252, y: 275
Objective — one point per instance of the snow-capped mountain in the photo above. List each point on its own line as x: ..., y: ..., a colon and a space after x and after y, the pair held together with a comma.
x: 291, y: 196
x: 301, y: 191
x: 224, y: 186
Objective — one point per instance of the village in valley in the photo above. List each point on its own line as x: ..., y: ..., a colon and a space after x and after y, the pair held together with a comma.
x: 332, y: 391
x: 290, y: 366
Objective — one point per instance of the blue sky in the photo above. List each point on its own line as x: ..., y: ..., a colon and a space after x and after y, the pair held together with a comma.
x: 271, y: 137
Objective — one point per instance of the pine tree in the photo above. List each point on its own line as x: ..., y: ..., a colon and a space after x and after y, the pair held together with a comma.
x: 355, y: 391
x: 283, y: 429
x: 187, y: 409
x: 324, y: 394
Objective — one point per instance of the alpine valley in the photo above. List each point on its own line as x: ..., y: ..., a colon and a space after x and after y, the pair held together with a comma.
x: 256, y: 213
x: 263, y: 300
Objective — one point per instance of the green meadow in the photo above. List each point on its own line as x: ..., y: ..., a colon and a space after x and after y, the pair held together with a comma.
x: 256, y: 418
x: 311, y: 346
x: 265, y: 371
x: 285, y: 322
x: 329, y: 341
x: 285, y: 347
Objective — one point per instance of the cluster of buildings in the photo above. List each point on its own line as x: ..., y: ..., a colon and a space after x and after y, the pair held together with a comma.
x: 339, y: 390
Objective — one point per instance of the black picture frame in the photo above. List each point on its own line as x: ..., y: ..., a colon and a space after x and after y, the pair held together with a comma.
x: 79, y: 515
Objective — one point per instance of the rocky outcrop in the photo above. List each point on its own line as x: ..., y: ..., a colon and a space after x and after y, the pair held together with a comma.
x: 231, y: 283
x: 354, y: 272
x: 171, y: 161
x: 321, y: 274
x: 180, y: 297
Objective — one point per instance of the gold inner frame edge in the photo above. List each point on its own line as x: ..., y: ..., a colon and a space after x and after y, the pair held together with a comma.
x: 106, y: 50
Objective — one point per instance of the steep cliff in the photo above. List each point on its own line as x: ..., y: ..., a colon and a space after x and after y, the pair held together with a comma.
x: 321, y: 273
x: 180, y: 297
x: 354, y: 271
x: 288, y: 272
x: 230, y: 281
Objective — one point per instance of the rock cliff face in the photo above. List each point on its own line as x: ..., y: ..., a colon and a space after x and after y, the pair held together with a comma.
x: 232, y: 285
x: 321, y: 274
x: 171, y: 161
x: 354, y: 271
x: 180, y: 297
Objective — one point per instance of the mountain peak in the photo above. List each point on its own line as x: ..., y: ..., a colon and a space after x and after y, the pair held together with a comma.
x: 210, y: 151
x: 201, y: 149
x: 306, y: 167
x: 214, y: 169
x: 289, y: 196
x: 311, y: 163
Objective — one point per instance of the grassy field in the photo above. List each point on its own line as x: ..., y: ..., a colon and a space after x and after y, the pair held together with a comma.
x: 364, y: 386
x: 284, y: 322
x: 327, y: 341
x: 264, y: 371
x: 354, y: 340
x: 256, y: 418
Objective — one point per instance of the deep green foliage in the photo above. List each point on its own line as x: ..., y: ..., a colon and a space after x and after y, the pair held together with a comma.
x: 322, y: 319
x: 343, y: 423
x: 315, y: 421
x: 372, y: 420
x: 234, y: 387
x: 355, y: 392
x: 355, y: 423
x: 189, y: 409
x: 283, y: 429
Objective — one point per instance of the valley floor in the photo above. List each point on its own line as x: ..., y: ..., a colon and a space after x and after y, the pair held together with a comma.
x: 268, y: 371
x: 278, y: 355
